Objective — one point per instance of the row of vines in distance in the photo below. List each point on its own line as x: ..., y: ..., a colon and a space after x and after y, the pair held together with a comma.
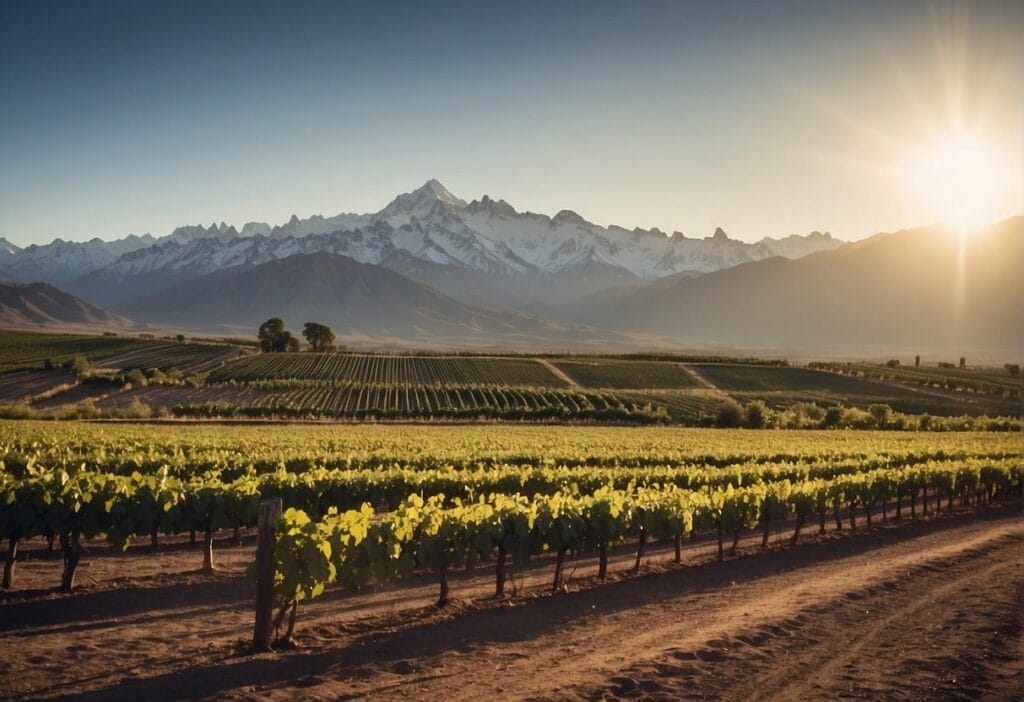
x: 384, y: 368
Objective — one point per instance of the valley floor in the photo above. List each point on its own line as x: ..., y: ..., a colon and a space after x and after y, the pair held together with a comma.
x: 930, y: 609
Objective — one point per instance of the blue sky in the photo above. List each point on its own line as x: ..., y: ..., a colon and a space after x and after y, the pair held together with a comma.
x: 762, y: 118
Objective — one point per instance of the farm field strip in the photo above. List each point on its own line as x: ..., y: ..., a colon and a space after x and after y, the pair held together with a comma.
x: 352, y: 399
x: 618, y: 374
x: 781, y: 386
x: 184, y: 357
x: 27, y: 350
x: 382, y: 368
x: 988, y: 382
x: 298, y: 448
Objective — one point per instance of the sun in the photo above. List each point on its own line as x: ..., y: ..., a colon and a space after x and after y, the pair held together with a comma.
x: 961, y: 182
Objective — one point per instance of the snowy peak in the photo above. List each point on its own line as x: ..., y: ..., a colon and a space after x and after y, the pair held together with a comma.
x: 498, y: 208
x: 220, y: 231
x: 7, y: 248
x: 421, y: 202
x: 486, y: 237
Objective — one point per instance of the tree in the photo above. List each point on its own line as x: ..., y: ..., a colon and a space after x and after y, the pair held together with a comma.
x: 275, y: 338
x: 963, y: 362
x: 180, y: 338
x: 882, y: 414
x: 917, y: 361
x: 319, y: 336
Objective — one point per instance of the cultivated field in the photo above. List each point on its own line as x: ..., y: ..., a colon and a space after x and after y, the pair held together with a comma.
x: 659, y: 562
x: 223, y: 380
x: 27, y: 350
x: 626, y: 374
x: 383, y: 368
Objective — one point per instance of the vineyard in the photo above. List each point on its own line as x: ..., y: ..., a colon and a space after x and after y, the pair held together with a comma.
x: 385, y: 369
x: 185, y: 357
x: 383, y: 400
x: 27, y: 350
x: 973, y: 381
x: 782, y: 387
x: 426, y: 507
x: 214, y: 380
x: 625, y: 374
x: 457, y: 495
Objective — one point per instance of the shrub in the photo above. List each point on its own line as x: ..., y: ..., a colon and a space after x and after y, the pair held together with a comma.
x: 135, y: 378
x: 882, y: 414
x: 756, y: 415
x: 79, y: 365
x: 809, y: 411
x: 833, y: 417
x: 730, y: 414
x: 857, y: 419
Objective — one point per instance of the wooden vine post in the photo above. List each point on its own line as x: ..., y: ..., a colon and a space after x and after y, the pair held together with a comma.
x: 270, y: 510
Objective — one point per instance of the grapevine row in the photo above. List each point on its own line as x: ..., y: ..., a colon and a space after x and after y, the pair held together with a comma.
x: 357, y: 546
x: 85, y: 504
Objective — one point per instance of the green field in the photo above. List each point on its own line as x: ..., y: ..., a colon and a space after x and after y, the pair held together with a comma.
x: 781, y: 387
x: 386, y: 368
x: 462, y: 491
x: 621, y: 374
x: 732, y: 377
x: 181, y: 356
x: 626, y: 389
x: 394, y: 400
x: 985, y: 381
x: 689, y: 407
x: 21, y: 350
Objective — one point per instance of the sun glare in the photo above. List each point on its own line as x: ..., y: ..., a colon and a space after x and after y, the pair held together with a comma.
x: 961, y: 182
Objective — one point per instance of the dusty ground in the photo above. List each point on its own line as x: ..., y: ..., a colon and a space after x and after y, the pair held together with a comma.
x: 925, y: 610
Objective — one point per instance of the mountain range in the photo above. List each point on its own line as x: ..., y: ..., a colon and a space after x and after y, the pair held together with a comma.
x: 431, y: 269
x: 482, y: 251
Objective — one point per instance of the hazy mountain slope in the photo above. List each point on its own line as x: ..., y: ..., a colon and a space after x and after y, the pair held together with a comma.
x: 7, y: 249
x: 42, y: 304
x: 356, y: 299
x: 888, y: 291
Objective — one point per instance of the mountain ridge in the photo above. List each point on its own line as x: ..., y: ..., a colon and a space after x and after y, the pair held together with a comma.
x: 41, y: 304
x: 431, y: 223
x: 899, y: 289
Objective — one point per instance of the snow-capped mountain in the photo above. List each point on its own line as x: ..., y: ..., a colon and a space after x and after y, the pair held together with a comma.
x: 61, y: 261
x: 522, y: 257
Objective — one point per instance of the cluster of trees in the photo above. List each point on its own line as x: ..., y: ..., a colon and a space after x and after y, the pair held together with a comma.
x: 275, y: 338
x: 808, y: 415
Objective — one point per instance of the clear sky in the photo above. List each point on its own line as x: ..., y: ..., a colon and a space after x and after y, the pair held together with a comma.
x: 764, y: 118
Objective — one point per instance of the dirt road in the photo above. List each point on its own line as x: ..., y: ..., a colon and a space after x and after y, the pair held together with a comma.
x: 924, y: 610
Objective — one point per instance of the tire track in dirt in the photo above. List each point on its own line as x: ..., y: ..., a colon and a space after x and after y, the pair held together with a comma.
x: 871, y: 641
x: 179, y: 642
